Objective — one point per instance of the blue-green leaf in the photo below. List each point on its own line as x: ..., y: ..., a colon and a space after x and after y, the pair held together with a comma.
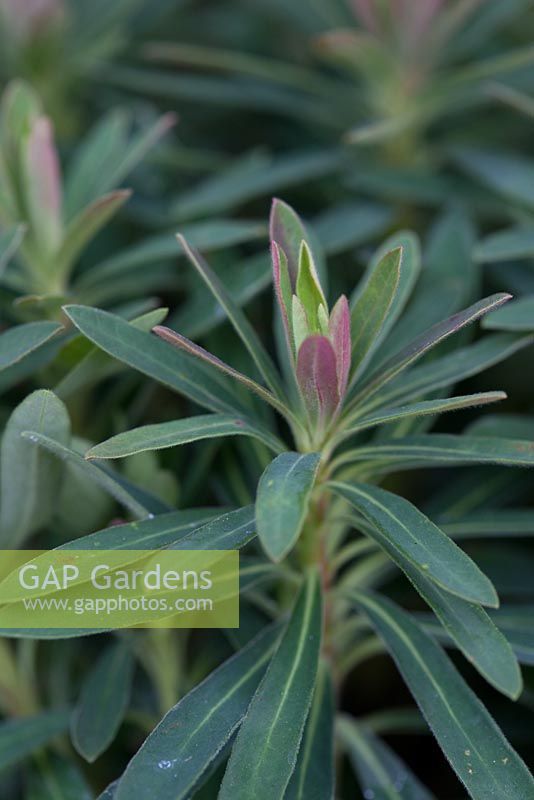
x: 265, y: 752
x: 478, y: 752
x: 283, y: 499
x: 103, y: 702
x: 419, y: 541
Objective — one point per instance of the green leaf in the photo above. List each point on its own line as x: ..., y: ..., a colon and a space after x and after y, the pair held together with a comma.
x: 106, y: 156
x: 180, y: 431
x: 442, y: 449
x: 192, y: 734
x: 266, y: 748
x: 180, y: 530
x: 20, y: 738
x: 448, y: 281
x: 343, y: 227
x: 82, y: 506
x: 192, y: 529
x: 425, y: 342
x: 506, y: 245
x: 9, y: 244
x: 287, y: 230
x: 20, y: 341
x: 30, y: 479
x: 210, y: 360
x: 244, y: 281
x: 109, y: 792
x: 475, y: 747
x: 240, y: 323
x: 308, y: 288
x: 97, y: 365
x: 55, y: 778
x: 456, y: 366
x: 516, y: 624
x: 103, y: 702
x: 518, y: 316
x: 418, y: 541
x: 466, y: 623
x: 283, y: 499
x: 235, y: 93
x: 352, y: 424
x: 410, y: 268
x: 370, y: 307
x: 230, y: 531
x: 313, y: 777
x: 381, y: 772
x: 205, y: 235
x: 102, y: 478
x: 84, y: 228
x: 152, y: 357
x: 254, y: 176
x: 506, y: 173
x: 495, y: 523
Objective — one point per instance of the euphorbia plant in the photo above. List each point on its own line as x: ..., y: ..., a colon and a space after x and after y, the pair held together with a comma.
x: 352, y: 410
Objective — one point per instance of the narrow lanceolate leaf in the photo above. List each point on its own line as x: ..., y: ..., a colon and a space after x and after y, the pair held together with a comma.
x: 419, y: 541
x: 192, y: 734
x: 266, y: 748
x: 424, y: 408
x: 240, y: 323
x: 410, y: 268
x: 22, y: 340
x: 148, y: 534
x: 196, y: 529
x: 85, y: 226
x: 230, y: 531
x: 505, y: 245
x: 426, y: 341
x: 154, y: 358
x: 518, y: 316
x: 287, y: 230
x: 442, y: 449
x: 475, y: 747
x: 313, y: 777
x: 53, y: 777
x: 103, y: 702
x: 20, y: 738
x: 283, y: 499
x: 180, y: 431
x: 187, y: 346
x: 454, y: 367
x: 97, y: 365
x: 36, y: 440
x: 467, y: 623
x: 494, y: 523
x: 30, y: 479
x: 370, y: 308
x: 516, y: 624
x: 380, y: 771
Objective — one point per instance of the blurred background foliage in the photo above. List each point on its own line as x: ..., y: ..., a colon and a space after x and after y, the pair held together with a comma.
x: 369, y: 117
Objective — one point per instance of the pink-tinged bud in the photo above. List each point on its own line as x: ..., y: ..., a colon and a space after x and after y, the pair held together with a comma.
x: 287, y: 230
x: 339, y: 329
x: 27, y: 18
x: 317, y: 379
x: 43, y: 181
